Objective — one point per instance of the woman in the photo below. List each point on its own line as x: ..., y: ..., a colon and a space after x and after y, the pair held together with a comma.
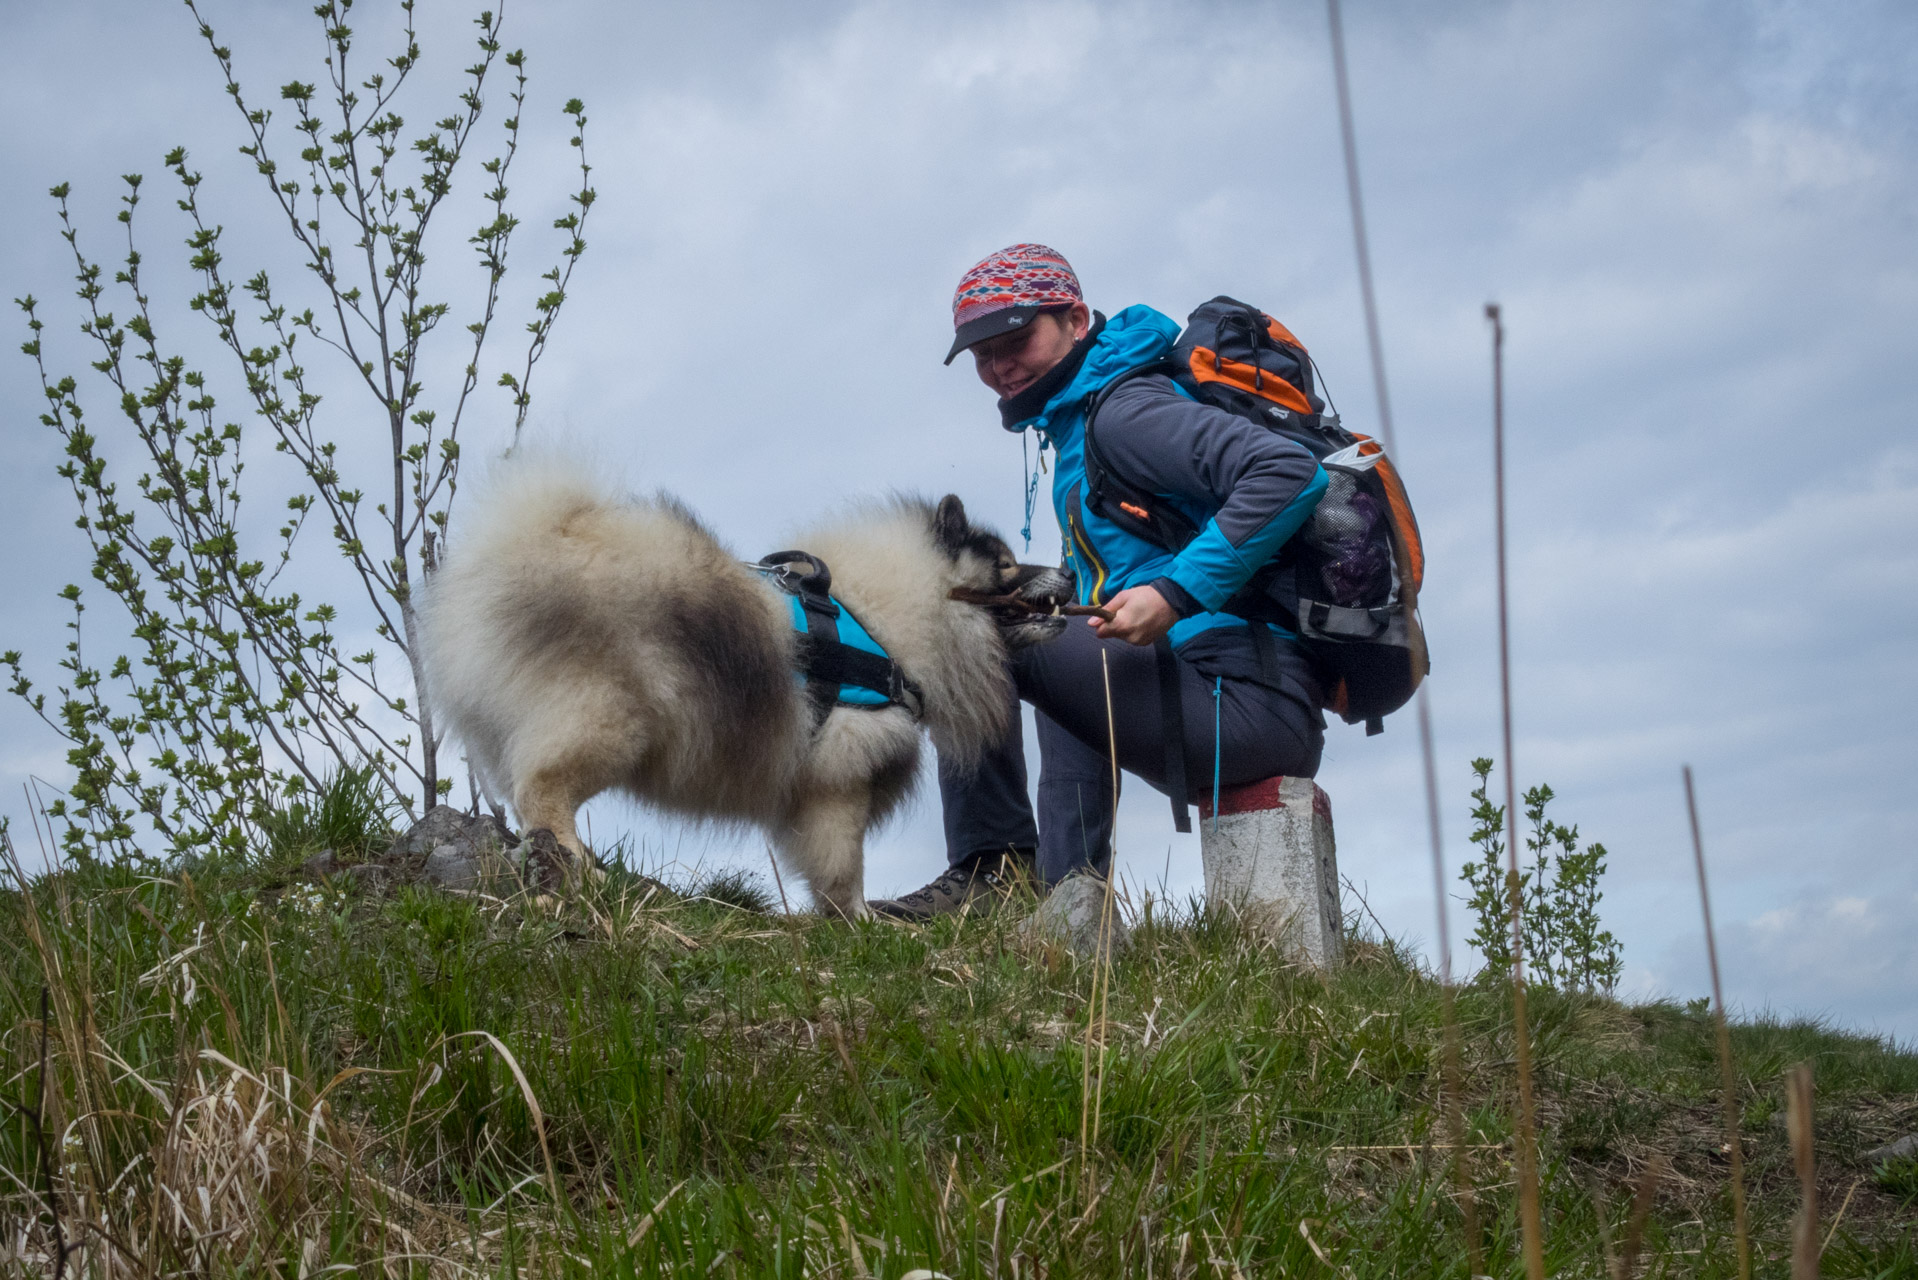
x: 1245, y: 695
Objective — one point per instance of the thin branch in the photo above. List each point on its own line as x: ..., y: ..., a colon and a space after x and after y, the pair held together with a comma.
x: 1453, y: 1073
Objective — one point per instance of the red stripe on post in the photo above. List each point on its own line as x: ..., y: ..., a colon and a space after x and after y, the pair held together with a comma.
x: 1260, y: 797
x: 1249, y: 797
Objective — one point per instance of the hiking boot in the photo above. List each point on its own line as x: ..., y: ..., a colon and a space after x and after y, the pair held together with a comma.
x: 977, y: 885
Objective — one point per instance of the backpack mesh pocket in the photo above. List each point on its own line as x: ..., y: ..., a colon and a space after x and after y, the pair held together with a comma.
x: 1350, y: 539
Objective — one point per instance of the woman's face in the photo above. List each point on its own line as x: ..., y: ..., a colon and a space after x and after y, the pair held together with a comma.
x: 1014, y: 361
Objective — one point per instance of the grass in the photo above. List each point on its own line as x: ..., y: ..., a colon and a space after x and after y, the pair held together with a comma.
x: 349, y: 815
x: 249, y: 1074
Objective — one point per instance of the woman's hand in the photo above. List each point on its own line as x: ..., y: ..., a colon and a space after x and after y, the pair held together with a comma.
x: 1140, y: 616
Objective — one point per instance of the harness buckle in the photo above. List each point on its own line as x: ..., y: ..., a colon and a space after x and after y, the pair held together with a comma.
x: 807, y: 573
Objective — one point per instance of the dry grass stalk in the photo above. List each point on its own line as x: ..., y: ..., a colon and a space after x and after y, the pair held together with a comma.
x: 1453, y: 1076
x: 1832, y: 1232
x: 1452, y: 1082
x: 1734, y: 1144
x: 1531, y: 1224
x: 228, y: 1165
x: 532, y: 1106
x: 1642, y: 1200
x: 1091, y: 1090
x: 71, y: 1020
x: 792, y: 926
x: 1798, y: 1122
x: 35, y: 1118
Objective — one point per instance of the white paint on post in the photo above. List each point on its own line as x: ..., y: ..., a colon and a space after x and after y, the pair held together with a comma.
x: 1270, y: 860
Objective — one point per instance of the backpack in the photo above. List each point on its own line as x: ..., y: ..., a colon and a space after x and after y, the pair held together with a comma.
x: 1347, y: 583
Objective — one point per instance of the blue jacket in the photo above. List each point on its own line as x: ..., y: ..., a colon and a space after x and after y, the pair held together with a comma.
x: 1246, y: 488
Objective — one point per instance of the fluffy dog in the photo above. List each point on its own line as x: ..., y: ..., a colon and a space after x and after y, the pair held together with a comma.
x: 580, y: 642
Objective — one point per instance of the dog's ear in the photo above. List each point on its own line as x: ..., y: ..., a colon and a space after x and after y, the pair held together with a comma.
x: 950, y: 528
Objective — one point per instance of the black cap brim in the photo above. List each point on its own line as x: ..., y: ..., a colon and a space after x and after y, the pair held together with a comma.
x: 991, y: 325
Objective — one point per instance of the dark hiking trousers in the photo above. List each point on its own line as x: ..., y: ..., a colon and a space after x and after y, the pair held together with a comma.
x: 1262, y: 731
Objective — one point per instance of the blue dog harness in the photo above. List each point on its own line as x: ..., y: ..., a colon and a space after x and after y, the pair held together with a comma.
x: 840, y: 664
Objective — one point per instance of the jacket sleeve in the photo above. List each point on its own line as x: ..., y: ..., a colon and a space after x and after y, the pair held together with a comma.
x: 1262, y: 486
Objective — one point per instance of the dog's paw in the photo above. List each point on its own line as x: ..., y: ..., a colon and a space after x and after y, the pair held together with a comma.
x: 542, y: 861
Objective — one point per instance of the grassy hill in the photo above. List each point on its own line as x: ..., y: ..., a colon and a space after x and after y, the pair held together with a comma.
x: 252, y: 1074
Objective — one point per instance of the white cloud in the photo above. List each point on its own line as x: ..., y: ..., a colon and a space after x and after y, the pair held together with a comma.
x: 1843, y: 957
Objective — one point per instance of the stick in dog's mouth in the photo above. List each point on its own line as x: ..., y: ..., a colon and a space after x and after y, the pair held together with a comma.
x: 1011, y: 607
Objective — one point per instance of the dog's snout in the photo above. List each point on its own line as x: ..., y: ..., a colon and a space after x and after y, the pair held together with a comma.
x: 1044, y: 589
x: 1043, y: 584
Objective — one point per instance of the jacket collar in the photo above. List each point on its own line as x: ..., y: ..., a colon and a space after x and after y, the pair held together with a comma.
x: 1014, y: 410
x: 1135, y: 336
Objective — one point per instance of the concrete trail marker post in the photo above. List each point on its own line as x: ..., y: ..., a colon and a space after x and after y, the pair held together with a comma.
x: 1269, y: 859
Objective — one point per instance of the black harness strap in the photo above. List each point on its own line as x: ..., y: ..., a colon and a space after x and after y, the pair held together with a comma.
x: 826, y: 661
x: 816, y: 648
x: 831, y: 662
x: 807, y: 579
x: 1172, y: 725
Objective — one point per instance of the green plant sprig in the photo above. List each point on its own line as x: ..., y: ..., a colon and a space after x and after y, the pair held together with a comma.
x: 1565, y: 944
x: 235, y: 693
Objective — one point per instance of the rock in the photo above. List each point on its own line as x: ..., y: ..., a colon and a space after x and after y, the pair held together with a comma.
x: 1070, y: 916
x: 369, y: 877
x: 461, y: 851
x: 444, y: 825
x: 321, y: 865
x: 1906, y: 1148
x: 542, y: 860
x: 451, y: 867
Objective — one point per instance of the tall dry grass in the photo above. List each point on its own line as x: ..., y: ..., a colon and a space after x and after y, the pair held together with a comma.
x: 199, y: 1140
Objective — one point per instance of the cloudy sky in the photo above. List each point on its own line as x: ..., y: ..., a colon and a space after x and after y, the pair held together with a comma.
x: 1698, y: 217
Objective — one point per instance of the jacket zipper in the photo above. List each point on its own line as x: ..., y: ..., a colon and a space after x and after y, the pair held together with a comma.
x: 1083, y: 543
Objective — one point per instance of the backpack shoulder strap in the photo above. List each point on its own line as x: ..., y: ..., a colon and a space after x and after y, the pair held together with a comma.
x: 1172, y: 727
x: 1127, y: 504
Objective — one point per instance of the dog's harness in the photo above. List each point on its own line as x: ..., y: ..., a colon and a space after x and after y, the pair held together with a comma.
x: 840, y: 664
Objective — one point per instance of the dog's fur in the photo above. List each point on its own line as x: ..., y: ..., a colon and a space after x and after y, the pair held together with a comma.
x: 577, y: 642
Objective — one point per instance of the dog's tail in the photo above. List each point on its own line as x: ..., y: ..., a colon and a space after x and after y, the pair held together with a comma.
x: 492, y: 610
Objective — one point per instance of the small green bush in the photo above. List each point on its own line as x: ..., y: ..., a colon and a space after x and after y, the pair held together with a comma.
x: 1558, y: 892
